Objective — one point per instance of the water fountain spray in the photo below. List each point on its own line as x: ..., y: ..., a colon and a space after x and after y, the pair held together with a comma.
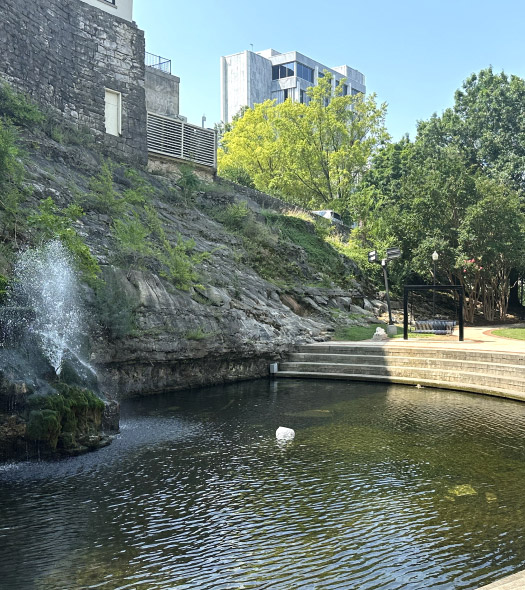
x: 46, y: 283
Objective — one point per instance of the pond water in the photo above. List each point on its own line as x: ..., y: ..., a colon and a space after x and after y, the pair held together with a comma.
x: 384, y: 488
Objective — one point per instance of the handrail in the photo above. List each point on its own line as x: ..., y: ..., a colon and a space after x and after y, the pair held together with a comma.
x: 158, y: 62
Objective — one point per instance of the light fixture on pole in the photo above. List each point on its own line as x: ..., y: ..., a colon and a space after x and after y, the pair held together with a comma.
x: 435, y: 257
x: 391, y: 253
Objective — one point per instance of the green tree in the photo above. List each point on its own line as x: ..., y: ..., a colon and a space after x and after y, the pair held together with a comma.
x: 310, y: 154
x: 491, y: 244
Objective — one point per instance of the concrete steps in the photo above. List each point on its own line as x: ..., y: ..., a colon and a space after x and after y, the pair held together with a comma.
x: 489, y: 372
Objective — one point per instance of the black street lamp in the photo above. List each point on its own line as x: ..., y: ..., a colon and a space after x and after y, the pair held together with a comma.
x: 435, y: 257
x: 391, y: 253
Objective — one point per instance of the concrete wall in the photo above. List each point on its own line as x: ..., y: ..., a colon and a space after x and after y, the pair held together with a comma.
x: 234, y: 84
x: 354, y: 78
x: 121, y: 8
x: 162, y: 93
x: 259, y: 78
x: 65, y: 54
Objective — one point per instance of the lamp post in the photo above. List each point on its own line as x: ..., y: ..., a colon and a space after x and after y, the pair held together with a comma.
x: 435, y: 257
x: 391, y: 253
x: 385, y: 276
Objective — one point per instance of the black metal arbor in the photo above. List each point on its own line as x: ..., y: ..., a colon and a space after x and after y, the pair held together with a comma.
x: 457, y: 288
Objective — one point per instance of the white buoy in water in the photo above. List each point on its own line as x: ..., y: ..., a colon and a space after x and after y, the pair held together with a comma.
x: 283, y: 433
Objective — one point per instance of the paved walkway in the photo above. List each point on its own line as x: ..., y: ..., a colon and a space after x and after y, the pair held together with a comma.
x: 478, y: 338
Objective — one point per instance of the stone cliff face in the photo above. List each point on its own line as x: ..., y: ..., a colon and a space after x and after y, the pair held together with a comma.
x: 231, y: 333
x: 233, y: 322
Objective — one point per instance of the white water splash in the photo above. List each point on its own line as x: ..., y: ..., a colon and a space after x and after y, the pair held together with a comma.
x: 47, y: 283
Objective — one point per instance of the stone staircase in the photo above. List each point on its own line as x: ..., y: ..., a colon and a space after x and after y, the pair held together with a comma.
x: 498, y: 373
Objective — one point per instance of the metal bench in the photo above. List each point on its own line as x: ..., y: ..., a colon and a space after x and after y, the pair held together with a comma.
x: 443, y: 327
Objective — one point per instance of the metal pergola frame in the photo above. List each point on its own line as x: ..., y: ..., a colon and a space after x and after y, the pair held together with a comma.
x: 457, y: 288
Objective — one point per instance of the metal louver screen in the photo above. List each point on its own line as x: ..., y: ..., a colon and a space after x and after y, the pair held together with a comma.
x: 176, y: 139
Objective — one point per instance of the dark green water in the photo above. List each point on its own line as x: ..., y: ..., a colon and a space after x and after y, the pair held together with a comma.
x: 383, y: 488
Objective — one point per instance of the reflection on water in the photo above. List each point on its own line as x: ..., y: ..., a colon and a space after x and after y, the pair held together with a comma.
x: 387, y: 488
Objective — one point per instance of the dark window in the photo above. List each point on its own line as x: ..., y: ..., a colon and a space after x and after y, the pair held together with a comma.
x: 302, y: 96
x: 283, y: 71
x: 305, y: 72
x: 355, y: 91
x: 320, y: 74
x: 345, y: 89
x: 286, y: 93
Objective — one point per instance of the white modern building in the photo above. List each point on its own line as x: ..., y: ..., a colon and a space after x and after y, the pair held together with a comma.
x: 248, y: 78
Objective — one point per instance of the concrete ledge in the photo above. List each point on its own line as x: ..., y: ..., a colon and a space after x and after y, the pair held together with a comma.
x: 514, y: 582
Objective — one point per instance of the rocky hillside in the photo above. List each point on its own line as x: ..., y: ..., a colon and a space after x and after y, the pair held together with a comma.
x: 193, y: 281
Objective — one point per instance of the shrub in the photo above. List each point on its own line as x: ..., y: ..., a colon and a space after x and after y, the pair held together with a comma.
x: 140, y: 243
x: 52, y: 222
x: 238, y: 175
x: 18, y: 108
x: 188, y: 182
x: 141, y: 191
x: 131, y: 236
x: 115, y: 307
x: 103, y: 196
x: 197, y: 334
x: 11, y: 170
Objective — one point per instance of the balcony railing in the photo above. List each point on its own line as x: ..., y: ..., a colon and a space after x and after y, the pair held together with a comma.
x: 176, y: 139
x: 158, y: 62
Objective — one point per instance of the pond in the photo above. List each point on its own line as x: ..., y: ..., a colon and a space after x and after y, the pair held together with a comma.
x: 387, y: 488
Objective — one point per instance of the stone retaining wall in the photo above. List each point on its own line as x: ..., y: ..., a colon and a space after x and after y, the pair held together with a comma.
x: 64, y: 55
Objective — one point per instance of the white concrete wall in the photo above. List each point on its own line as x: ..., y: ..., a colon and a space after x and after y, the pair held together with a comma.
x: 234, y: 85
x: 355, y: 79
x: 121, y: 8
x: 259, y: 78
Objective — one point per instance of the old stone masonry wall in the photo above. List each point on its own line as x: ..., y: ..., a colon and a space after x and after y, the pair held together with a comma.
x: 65, y: 54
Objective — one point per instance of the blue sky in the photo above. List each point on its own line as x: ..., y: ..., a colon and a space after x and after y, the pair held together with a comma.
x: 414, y: 54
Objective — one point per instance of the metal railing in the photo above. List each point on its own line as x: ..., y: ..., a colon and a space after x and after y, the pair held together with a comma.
x: 176, y: 139
x: 158, y: 62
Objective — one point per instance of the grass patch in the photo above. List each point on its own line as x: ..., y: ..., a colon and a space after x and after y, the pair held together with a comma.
x: 514, y: 333
x: 354, y: 333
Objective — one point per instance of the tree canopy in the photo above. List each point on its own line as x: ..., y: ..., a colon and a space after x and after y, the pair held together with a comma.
x: 458, y: 189
x: 310, y: 154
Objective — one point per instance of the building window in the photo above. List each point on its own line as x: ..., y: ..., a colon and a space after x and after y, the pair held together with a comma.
x: 113, y: 112
x: 355, y: 91
x: 302, y: 96
x: 286, y: 93
x: 320, y: 74
x: 305, y: 72
x: 283, y: 71
x: 345, y: 89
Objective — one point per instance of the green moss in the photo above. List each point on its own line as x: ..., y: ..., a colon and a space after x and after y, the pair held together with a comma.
x: 61, y: 420
x: 44, y: 425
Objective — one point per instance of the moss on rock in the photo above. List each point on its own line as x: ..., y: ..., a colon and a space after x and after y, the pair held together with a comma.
x: 67, y: 420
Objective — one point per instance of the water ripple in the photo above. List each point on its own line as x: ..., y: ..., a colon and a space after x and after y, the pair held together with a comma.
x: 390, y: 489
